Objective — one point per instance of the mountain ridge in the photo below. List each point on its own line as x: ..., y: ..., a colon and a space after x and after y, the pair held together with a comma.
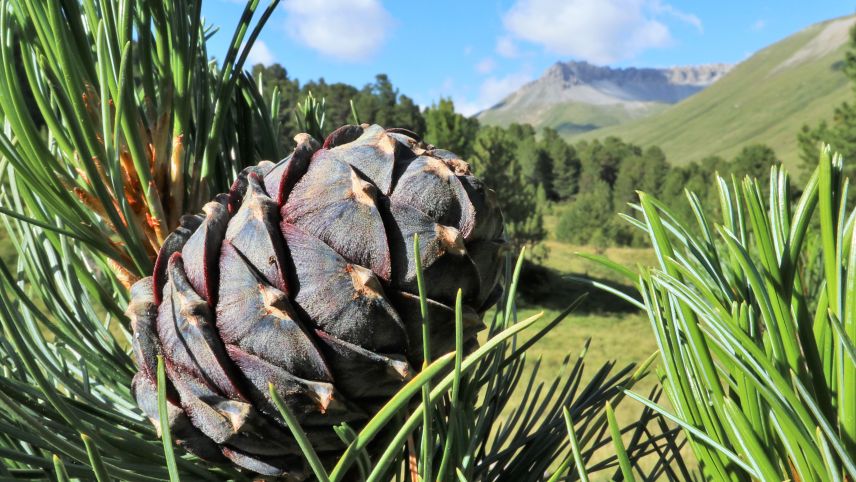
x: 614, y: 94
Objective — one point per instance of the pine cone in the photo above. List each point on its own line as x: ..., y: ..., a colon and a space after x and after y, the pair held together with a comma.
x: 303, y: 275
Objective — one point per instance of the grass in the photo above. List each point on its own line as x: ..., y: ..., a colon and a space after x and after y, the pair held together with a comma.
x: 759, y: 101
x: 621, y: 338
x: 619, y: 334
x: 573, y: 118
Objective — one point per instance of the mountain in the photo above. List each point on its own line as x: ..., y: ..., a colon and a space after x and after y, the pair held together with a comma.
x: 766, y: 99
x: 576, y: 97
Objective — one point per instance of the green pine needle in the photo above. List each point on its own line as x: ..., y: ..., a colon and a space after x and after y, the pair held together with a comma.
x: 300, y: 436
x: 755, y: 323
x: 98, y: 468
x: 166, y: 436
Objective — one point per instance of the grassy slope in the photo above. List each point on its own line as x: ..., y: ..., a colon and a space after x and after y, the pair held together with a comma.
x: 573, y: 118
x: 753, y: 103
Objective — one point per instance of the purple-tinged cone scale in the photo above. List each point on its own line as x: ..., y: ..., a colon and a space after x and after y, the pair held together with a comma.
x: 304, y: 276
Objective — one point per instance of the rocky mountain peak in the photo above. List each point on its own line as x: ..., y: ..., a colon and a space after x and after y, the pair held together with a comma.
x: 581, y: 72
x: 636, y: 90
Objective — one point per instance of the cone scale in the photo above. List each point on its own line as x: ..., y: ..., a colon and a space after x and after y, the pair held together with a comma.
x: 303, y: 276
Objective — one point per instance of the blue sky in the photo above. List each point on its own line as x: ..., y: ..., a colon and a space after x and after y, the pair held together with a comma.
x: 476, y: 52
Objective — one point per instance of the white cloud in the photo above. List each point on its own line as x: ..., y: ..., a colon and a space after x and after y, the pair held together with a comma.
x: 759, y: 24
x: 495, y: 88
x: 350, y: 30
x: 689, y: 18
x: 505, y: 47
x: 260, y: 54
x: 600, y: 31
x: 491, y: 91
x: 485, y: 65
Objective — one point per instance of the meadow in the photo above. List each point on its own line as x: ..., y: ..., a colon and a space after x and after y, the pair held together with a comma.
x: 618, y: 333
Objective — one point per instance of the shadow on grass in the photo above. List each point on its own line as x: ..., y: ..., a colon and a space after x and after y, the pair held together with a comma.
x: 549, y: 288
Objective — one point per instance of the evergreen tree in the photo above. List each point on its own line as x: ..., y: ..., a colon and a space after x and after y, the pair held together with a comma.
x: 589, y: 218
x: 525, y: 147
x: 698, y: 178
x: 378, y: 102
x: 656, y: 170
x: 645, y: 173
x: 407, y: 115
x: 90, y: 195
x: 566, y: 165
x: 536, y: 164
x: 695, y: 177
x: 445, y: 127
x: 713, y: 165
x: 754, y: 161
x: 542, y: 172
x: 520, y: 131
x: 601, y: 161
x: 494, y: 160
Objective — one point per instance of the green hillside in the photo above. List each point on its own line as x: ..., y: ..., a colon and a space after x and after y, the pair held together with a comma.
x: 767, y: 98
x: 575, y: 118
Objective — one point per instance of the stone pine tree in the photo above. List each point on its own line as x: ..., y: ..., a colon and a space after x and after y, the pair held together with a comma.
x: 153, y: 329
x: 601, y: 160
x: 589, y: 219
x: 645, y: 173
x: 445, y: 127
x: 337, y: 98
x: 565, y: 163
x: 536, y: 163
x: 377, y: 102
x: 754, y: 160
x: 494, y: 160
x: 380, y: 102
x: 274, y: 79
